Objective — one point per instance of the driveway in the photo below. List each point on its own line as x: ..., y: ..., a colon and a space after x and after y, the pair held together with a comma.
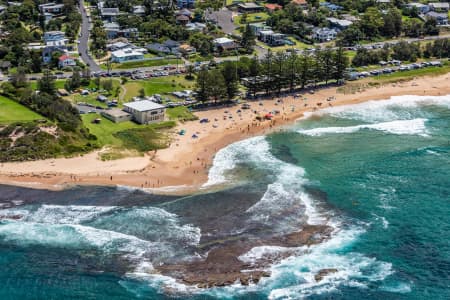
x: 223, y: 18
x: 84, y: 39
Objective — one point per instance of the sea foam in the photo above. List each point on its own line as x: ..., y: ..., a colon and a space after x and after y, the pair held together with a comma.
x: 410, y: 127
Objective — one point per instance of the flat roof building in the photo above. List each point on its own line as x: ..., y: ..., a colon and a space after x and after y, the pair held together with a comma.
x: 145, y: 111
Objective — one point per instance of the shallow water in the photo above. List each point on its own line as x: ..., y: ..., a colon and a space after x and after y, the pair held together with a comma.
x: 377, y: 172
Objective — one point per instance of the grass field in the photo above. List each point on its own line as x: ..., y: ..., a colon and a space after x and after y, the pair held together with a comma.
x: 159, y: 85
x: 11, y: 111
x: 252, y: 18
x: 144, y: 63
x: 180, y: 113
x: 433, y: 71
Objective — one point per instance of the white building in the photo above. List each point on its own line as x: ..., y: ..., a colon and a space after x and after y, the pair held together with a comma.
x: 224, y: 43
x: 145, y: 111
x: 127, y: 54
x: 324, y: 34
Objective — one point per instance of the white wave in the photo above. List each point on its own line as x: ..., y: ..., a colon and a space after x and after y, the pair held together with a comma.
x: 383, y: 110
x: 71, y: 214
x: 352, y: 269
x: 227, y: 158
x: 399, y: 287
x: 409, y: 127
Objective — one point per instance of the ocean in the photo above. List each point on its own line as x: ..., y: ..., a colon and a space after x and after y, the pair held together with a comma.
x: 376, y: 173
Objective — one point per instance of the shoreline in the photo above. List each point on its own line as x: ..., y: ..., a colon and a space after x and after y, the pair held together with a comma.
x: 183, y: 166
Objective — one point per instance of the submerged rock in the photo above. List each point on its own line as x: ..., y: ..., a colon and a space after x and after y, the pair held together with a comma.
x: 324, y: 272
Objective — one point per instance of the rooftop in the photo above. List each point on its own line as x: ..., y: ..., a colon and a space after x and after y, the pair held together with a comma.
x: 144, y: 105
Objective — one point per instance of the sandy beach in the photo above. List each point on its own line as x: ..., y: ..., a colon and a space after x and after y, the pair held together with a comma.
x: 186, y: 162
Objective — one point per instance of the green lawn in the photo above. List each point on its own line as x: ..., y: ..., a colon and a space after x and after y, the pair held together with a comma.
x: 126, y: 136
x: 11, y: 111
x: 434, y: 71
x: 252, y: 18
x: 180, y: 113
x: 59, y: 84
x: 144, y: 63
x: 159, y: 85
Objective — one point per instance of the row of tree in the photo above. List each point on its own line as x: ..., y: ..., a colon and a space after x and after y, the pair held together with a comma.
x: 402, y: 51
x: 274, y: 73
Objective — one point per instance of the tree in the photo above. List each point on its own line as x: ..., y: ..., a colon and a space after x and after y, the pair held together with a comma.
x: 248, y: 39
x: 19, y: 78
x: 142, y: 93
x: 340, y: 64
x: 190, y: 71
x: 36, y: 62
x: 392, y: 23
x: 371, y: 22
x: 107, y: 85
x: 47, y: 84
x: 216, y: 86
x: 201, y: 85
x: 229, y: 72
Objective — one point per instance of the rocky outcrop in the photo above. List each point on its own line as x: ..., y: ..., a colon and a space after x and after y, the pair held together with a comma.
x: 324, y: 272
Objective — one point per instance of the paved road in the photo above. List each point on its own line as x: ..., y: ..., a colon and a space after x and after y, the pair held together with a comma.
x: 223, y: 18
x: 84, y: 40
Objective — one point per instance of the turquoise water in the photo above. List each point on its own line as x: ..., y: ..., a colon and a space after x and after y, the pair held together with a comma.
x: 378, y: 172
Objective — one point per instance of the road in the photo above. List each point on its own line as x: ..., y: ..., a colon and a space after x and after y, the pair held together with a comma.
x: 83, y: 46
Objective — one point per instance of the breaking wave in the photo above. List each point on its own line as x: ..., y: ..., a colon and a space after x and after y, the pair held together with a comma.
x: 411, y: 127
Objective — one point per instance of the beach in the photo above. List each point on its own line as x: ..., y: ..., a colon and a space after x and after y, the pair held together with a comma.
x: 184, y: 165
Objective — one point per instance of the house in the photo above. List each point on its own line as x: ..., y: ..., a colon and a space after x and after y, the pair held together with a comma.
x: 145, y: 111
x: 324, y: 34
x: 51, y: 8
x: 271, y: 38
x: 421, y: 8
x: 249, y: 7
x: 182, y: 19
x: 185, y: 3
x: 66, y: 61
x: 339, y: 23
x: 117, y: 46
x: 439, y: 6
x: 114, y: 31
x: 271, y: 7
x: 109, y: 13
x: 224, y: 44
x: 258, y: 27
x: 5, y: 65
x: 186, y: 49
x: 331, y: 6
x: 302, y: 3
x: 51, y: 36
x: 158, y: 48
x: 196, y: 26
x: 441, y: 18
x: 48, y: 51
x: 127, y: 54
x: 117, y: 115
x: 139, y: 10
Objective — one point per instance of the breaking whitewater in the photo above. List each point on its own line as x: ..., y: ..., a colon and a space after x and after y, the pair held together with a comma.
x: 304, y: 213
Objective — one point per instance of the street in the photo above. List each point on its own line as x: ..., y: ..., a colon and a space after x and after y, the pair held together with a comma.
x: 83, y: 46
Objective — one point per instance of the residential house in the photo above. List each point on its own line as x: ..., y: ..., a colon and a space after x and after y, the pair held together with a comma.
x: 185, y: 3
x: 421, y: 8
x: 302, y: 3
x: 139, y: 10
x: 331, y: 6
x: 51, y: 36
x: 272, y: 38
x: 186, y: 49
x: 182, y: 19
x: 127, y: 54
x: 249, y: 7
x: 271, y: 7
x: 66, y: 61
x: 109, y: 13
x: 441, y: 18
x: 439, y: 6
x: 324, y: 34
x: 5, y: 65
x: 195, y: 26
x: 118, y: 46
x: 114, y: 31
x: 258, y: 27
x: 51, y: 8
x: 339, y: 24
x: 145, y: 111
x: 224, y: 44
x: 158, y: 48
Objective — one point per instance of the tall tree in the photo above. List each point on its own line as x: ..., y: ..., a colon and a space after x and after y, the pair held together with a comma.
x: 47, y: 84
x: 230, y: 76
